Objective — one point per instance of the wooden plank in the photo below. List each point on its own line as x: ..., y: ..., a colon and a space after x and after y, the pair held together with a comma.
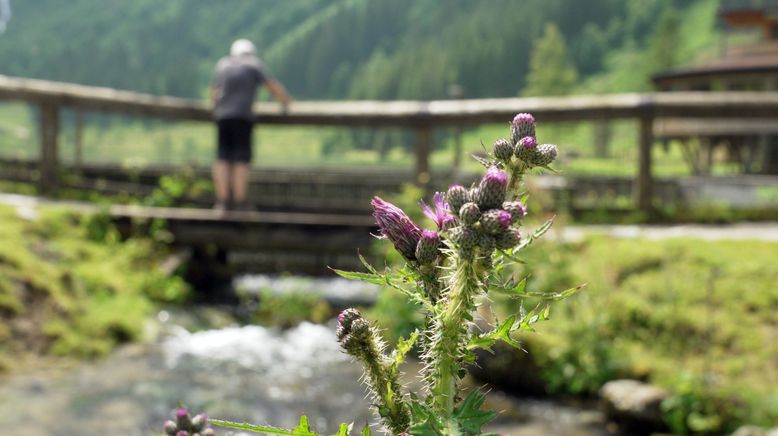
x: 49, y: 133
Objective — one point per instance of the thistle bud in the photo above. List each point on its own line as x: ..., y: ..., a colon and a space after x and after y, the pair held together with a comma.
x: 516, y: 209
x: 183, y: 420
x: 199, y: 422
x: 170, y: 428
x: 466, y: 239
x: 360, y: 328
x: 503, y: 150
x: 427, y: 248
x: 396, y: 227
x: 469, y: 214
x: 208, y: 432
x: 182, y: 433
x: 491, y: 190
x: 508, y: 239
x: 486, y: 243
x: 456, y: 196
x: 345, y: 319
x: 523, y: 124
x: 545, y: 154
x: 495, y: 221
x: 525, y: 148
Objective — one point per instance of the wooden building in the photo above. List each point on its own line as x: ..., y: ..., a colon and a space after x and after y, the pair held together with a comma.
x: 748, y: 62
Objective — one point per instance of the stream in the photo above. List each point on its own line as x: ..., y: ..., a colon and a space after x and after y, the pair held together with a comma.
x: 239, y: 373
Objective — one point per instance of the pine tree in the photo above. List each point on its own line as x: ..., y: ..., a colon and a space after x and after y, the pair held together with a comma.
x: 550, y: 70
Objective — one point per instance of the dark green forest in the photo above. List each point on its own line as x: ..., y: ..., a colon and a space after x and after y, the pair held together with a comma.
x: 360, y: 49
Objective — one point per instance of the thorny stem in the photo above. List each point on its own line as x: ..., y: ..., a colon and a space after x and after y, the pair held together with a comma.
x: 386, y: 390
x: 450, y: 336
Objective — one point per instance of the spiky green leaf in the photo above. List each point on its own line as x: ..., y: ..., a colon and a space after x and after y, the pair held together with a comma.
x: 375, y: 279
x: 297, y: 431
x: 365, y: 431
x: 469, y: 415
x: 344, y: 429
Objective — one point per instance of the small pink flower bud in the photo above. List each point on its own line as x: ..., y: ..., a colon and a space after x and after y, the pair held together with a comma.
x: 427, y: 249
x: 469, y: 214
x: 170, y: 428
x: 183, y: 420
x: 491, y: 190
x: 456, y: 196
x: 508, y: 239
x: 516, y: 209
x: 523, y: 124
x: 525, y: 149
x: 199, y: 422
x: 503, y: 150
x: 345, y: 319
x: 495, y: 221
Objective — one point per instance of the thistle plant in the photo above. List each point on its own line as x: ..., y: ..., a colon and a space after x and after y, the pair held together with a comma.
x: 449, y: 272
x: 186, y: 425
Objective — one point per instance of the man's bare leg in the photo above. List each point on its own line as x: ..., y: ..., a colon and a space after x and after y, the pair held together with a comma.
x: 239, y: 177
x: 221, y: 182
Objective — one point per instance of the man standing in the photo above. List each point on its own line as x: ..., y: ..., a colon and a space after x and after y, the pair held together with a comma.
x: 234, y: 88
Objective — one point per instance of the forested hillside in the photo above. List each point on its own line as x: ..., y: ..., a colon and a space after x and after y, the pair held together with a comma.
x: 382, y: 49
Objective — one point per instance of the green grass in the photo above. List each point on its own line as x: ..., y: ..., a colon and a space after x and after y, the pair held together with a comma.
x: 697, y: 317
x: 69, y: 286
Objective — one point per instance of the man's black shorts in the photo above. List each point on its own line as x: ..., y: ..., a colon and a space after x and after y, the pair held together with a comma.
x: 234, y: 140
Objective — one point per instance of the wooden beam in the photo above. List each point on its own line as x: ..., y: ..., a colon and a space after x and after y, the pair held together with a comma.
x: 49, y: 153
x: 423, y: 147
x: 78, y: 140
x: 644, y: 183
x: 407, y: 113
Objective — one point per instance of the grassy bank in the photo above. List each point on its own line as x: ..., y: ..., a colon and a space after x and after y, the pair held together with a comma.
x: 69, y: 286
x: 696, y: 317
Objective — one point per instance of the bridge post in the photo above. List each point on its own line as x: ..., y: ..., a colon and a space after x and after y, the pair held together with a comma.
x: 644, y: 183
x: 423, y: 146
x: 49, y: 159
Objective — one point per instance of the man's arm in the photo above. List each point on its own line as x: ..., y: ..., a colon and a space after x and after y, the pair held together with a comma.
x: 279, y: 92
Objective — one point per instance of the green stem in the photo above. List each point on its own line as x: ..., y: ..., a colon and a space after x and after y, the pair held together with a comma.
x: 447, y: 350
x: 517, y: 172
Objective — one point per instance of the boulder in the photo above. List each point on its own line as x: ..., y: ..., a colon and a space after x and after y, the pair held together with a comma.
x: 634, y: 404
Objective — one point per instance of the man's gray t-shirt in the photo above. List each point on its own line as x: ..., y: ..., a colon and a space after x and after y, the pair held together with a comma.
x: 236, y: 80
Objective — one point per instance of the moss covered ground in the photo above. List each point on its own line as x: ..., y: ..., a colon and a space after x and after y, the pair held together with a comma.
x: 69, y: 286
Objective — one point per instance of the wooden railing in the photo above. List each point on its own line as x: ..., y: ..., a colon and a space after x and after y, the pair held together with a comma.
x: 420, y: 116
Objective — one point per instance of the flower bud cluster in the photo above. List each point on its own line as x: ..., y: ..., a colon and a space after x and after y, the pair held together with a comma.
x: 523, y: 145
x: 186, y: 425
x: 354, y: 334
x: 487, y: 220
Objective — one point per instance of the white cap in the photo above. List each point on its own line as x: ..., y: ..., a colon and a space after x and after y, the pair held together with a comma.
x: 242, y: 47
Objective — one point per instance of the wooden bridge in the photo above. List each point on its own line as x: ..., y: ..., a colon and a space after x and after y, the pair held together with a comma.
x: 332, y: 206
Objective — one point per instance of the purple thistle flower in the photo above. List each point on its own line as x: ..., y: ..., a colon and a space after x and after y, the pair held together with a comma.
x: 396, y: 227
x: 441, y: 214
x: 523, y: 124
x: 526, y: 149
x: 491, y: 189
x: 523, y: 118
x: 528, y: 142
x: 427, y: 249
x: 495, y: 221
x: 182, y: 433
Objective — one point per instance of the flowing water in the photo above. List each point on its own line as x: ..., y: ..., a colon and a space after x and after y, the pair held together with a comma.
x: 249, y: 373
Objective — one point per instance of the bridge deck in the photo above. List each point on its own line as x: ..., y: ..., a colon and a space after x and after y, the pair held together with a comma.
x: 255, y: 241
